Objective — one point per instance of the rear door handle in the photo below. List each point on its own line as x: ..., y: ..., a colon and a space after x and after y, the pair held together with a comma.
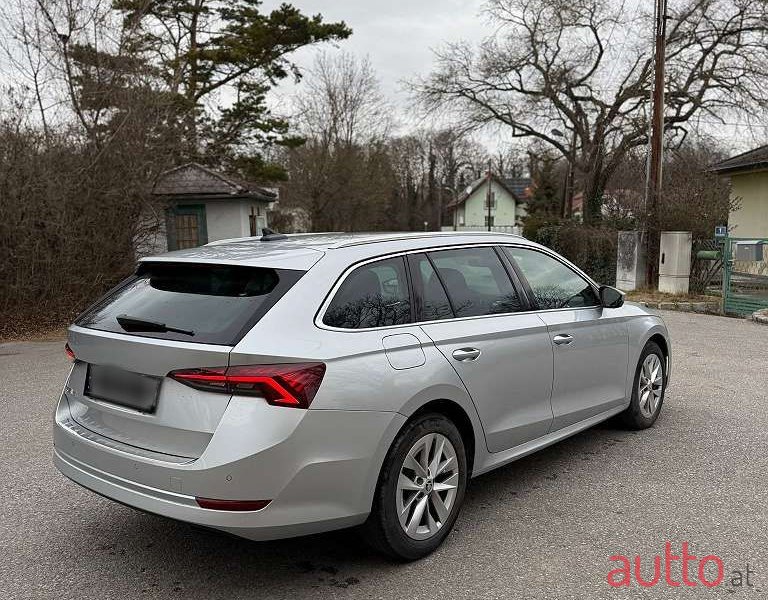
x: 563, y: 339
x: 466, y: 354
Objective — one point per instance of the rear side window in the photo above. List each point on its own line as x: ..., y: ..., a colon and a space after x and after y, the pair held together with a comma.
x: 476, y: 282
x: 554, y: 285
x: 373, y: 295
x: 210, y: 304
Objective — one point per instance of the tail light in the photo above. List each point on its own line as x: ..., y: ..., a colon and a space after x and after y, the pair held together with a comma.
x: 291, y: 384
x: 70, y: 354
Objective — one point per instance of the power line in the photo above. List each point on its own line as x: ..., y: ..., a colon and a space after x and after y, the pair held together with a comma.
x: 616, y: 22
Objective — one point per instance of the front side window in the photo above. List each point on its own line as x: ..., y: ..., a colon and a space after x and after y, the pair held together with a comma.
x: 373, y: 295
x: 554, y: 285
x: 476, y: 282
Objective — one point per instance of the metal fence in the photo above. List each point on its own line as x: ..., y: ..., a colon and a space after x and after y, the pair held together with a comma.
x: 706, y: 266
x: 745, y: 279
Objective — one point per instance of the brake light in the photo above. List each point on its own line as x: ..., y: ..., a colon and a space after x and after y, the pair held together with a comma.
x: 70, y: 354
x: 289, y: 384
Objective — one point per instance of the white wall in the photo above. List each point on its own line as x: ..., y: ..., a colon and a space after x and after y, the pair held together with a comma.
x: 504, y: 215
x: 230, y: 218
x: 750, y: 219
x: 224, y: 219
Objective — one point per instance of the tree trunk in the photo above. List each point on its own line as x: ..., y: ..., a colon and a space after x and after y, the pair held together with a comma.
x: 594, y: 186
x: 431, y: 196
x: 193, y: 80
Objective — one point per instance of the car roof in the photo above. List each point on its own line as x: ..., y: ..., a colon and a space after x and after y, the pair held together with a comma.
x: 301, y: 251
x: 336, y: 240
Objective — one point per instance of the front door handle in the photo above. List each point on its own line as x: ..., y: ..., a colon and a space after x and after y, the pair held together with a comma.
x: 466, y: 354
x: 563, y: 339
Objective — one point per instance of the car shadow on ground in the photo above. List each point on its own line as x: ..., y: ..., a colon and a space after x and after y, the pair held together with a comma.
x: 174, y: 556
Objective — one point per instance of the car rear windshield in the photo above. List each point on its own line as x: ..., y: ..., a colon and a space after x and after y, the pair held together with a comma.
x: 203, y: 303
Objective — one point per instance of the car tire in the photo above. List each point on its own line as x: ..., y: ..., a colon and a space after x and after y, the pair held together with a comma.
x: 648, y: 388
x: 424, y: 497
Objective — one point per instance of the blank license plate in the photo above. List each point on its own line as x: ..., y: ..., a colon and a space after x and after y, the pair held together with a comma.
x: 122, y: 387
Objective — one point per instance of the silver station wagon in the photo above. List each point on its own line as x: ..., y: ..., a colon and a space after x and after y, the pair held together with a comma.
x: 287, y: 385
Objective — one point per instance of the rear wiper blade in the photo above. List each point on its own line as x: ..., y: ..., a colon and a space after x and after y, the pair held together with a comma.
x: 135, y: 324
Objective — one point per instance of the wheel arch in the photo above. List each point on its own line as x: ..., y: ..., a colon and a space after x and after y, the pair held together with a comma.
x: 662, y: 342
x: 643, y: 329
x: 459, y: 417
x: 456, y: 404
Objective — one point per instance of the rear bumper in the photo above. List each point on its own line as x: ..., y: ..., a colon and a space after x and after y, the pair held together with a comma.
x: 319, y: 473
x: 257, y: 525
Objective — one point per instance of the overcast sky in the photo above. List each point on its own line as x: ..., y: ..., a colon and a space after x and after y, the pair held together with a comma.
x: 396, y: 35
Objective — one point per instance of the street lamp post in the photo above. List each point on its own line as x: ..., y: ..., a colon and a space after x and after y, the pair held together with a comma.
x: 452, y: 200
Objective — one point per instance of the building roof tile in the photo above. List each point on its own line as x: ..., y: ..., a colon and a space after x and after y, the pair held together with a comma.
x: 519, y: 187
x: 747, y: 161
x: 193, y: 179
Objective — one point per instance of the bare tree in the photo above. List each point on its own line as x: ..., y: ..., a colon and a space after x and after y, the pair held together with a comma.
x: 21, y: 42
x: 351, y: 173
x: 340, y: 174
x: 511, y: 161
x: 585, y: 66
x: 459, y: 161
x: 342, y: 103
x: 431, y: 167
x: 694, y: 199
x: 408, y: 157
x: 79, y: 149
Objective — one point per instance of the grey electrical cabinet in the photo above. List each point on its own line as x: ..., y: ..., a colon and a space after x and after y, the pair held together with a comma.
x: 675, y: 262
x: 630, y: 261
x: 748, y: 251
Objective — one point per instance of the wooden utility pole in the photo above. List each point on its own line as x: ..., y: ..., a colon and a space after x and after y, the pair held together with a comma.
x: 654, y: 179
x: 488, y: 195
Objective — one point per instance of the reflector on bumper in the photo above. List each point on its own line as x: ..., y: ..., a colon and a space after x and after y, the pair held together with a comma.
x: 236, y: 505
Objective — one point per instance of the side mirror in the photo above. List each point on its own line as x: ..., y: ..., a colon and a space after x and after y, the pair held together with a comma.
x: 610, y: 297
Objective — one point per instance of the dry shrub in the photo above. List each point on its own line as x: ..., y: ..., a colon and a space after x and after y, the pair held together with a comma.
x: 71, y: 216
x: 593, y: 249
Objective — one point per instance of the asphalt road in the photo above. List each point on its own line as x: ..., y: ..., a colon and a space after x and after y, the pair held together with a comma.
x: 544, y: 527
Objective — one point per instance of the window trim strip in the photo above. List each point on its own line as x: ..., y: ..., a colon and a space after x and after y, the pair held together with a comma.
x: 442, y: 284
x: 318, y: 320
x: 347, y: 272
x: 556, y: 258
x: 518, y: 282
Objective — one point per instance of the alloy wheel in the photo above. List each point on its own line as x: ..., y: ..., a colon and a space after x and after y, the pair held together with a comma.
x: 427, y: 485
x: 650, y: 385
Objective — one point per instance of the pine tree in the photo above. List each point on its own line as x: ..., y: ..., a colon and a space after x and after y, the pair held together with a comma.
x: 544, y: 205
x: 207, y: 65
x: 545, y: 201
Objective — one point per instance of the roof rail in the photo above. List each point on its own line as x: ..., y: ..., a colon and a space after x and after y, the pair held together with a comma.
x: 258, y: 238
x: 394, y: 237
